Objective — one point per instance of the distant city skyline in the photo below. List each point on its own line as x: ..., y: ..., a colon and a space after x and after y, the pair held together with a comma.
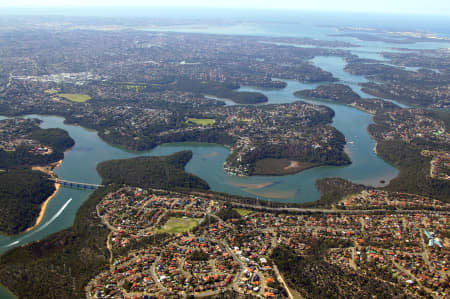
x: 437, y: 7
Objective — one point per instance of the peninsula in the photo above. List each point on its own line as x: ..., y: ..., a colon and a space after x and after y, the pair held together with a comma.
x: 27, y: 156
x: 156, y: 242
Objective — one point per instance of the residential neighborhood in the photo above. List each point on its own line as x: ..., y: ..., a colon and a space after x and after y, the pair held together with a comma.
x: 229, y: 249
x: 15, y: 132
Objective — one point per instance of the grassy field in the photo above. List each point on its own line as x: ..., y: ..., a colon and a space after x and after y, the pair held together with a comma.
x: 79, y: 98
x: 138, y: 88
x: 243, y: 212
x: 201, y: 121
x: 177, y: 225
x: 246, y: 120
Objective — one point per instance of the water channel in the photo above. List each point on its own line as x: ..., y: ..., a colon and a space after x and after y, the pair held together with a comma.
x: 207, y: 162
x: 81, y: 160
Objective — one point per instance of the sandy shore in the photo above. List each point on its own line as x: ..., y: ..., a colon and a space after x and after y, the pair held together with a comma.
x: 47, y: 170
x: 43, y: 209
x: 253, y: 186
x: 374, y: 139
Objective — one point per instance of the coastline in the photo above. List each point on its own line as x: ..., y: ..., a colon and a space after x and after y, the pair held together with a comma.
x: 43, y: 209
x: 374, y: 139
x: 4, y: 292
x: 45, y: 203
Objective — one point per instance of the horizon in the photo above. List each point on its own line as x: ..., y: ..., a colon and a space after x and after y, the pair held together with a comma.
x: 59, y: 8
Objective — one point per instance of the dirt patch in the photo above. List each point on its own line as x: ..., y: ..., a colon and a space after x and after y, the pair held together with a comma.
x: 292, y: 164
x: 47, y: 169
x: 280, y: 167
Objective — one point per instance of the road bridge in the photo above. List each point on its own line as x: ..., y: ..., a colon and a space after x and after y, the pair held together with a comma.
x: 75, y: 184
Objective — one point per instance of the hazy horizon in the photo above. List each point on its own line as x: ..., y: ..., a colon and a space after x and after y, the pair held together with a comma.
x: 401, y: 7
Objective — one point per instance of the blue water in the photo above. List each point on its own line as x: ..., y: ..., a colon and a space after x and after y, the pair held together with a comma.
x: 80, y: 162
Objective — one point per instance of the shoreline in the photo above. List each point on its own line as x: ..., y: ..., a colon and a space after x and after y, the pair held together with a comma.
x: 45, y: 203
x: 49, y: 168
x: 375, y: 140
x: 43, y: 209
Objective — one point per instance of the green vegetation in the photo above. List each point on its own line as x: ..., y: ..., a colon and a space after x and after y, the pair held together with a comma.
x: 229, y: 213
x: 243, y: 212
x: 151, y: 138
x: 313, y: 277
x: 151, y: 172
x: 333, y: 190
x: 22, y: 192
x: 59, y: 140
x: 201, y: 121
x: 137, y: 88
x: 221, y: 90
x: 280, y: 167
x: 60, y: 265
x: 74, y: 97
x: 343, y: 94
x: 198, y: 255
x: 414, y: 169
x: 246, y: 120
x: 177, y: 225
x: 335, y: 92
x: 270, y: 154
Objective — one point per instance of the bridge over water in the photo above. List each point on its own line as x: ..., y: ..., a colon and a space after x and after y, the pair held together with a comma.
x: 75, y: 184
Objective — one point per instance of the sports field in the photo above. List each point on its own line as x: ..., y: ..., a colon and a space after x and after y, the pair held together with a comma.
x: 201, y: 121
x: 79, y: 98
x: 243, y: 212
x: 177, y: 225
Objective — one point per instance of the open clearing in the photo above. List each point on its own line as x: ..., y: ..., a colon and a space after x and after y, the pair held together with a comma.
x: 177, y: 225
x: 243, y: 212
x: 280, y: 166
x: 79, y: 98
x: 201, y: 121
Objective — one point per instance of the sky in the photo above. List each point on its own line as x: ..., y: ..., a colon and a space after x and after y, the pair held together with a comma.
x: 439, y: 7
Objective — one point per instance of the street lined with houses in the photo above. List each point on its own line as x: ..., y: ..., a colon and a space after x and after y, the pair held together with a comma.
x: 207, y: 247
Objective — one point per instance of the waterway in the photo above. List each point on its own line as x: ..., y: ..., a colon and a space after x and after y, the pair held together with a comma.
x: 80, y: 161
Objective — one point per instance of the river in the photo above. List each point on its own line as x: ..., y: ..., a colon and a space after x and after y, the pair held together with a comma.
x: 80, y: 161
